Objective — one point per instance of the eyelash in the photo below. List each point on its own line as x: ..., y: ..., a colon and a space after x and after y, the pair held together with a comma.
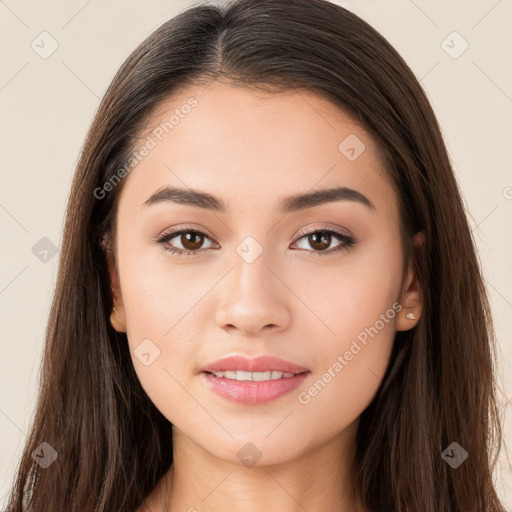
x: 347, y: 242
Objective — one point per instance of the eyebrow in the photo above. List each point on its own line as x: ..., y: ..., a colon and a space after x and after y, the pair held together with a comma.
x: 289, y: 204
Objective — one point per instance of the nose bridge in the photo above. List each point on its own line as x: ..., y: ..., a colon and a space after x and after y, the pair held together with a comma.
x: 251, y: 261
x: 253, y: 298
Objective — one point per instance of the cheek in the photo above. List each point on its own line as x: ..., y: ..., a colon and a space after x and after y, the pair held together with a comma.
x: 163, y: 308
x: 352, y: 295
x: 161, y: 349
x: 159, y: 306
x: 159, y: 294
x: 357, y: 303
x: 349, y: 371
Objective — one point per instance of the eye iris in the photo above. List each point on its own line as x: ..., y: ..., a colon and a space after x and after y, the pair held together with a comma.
x: 186, y: 240
x: 320, y: 238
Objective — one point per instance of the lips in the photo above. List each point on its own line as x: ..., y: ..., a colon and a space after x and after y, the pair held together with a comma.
x: 258, y: 364
x: 253, y: 393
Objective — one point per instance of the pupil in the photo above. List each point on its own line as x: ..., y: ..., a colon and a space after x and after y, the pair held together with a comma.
x: 318, y: 238
x: 191, y: 244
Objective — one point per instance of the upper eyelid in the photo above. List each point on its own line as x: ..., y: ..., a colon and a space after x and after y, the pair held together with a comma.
x: 339, y: 231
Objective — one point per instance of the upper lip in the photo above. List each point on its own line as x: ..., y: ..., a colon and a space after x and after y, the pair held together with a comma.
x: 258, y: 364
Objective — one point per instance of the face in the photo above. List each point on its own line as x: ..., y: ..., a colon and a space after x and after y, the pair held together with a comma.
x: 316, y: 283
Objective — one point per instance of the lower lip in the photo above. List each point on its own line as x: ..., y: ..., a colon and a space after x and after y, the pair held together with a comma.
x: 251, y: 392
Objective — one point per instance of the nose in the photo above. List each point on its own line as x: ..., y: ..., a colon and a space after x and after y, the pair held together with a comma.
x: 254, y: 298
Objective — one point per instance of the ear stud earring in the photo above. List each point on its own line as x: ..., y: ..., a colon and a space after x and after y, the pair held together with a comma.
x: 410, y: 316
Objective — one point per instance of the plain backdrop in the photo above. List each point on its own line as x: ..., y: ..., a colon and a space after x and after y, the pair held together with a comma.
x: 460, y: 51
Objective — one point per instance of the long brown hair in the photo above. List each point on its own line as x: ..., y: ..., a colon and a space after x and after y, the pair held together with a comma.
x: 113, y: 445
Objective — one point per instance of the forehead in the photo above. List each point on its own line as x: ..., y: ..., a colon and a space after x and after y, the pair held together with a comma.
x: 231, y: 141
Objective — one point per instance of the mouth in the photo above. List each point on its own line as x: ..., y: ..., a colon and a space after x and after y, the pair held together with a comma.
x: 242, y: 375
x: 253, y: 381
x: 253, y: 388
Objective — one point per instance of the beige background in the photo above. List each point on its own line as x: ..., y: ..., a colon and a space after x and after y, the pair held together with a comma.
x: 48, y: 104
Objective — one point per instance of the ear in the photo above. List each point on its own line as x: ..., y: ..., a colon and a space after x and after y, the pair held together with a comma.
x: 117, y: 317
x: 411, y: 298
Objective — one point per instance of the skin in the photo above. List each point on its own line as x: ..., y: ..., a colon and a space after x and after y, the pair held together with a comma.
x: 251, y: 149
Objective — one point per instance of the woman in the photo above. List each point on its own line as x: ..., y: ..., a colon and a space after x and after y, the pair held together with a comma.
x: 268, y: 295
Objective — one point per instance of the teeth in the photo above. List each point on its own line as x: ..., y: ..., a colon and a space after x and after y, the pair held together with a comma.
x: 254, y: 376
x: 261, y: 375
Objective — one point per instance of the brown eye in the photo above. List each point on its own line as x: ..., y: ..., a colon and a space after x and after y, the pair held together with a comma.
x: 184, y: 241
x: 320, y: 240
x: 191, y: 240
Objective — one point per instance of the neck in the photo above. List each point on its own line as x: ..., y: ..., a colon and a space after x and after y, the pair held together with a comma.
x: 318, y: 479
